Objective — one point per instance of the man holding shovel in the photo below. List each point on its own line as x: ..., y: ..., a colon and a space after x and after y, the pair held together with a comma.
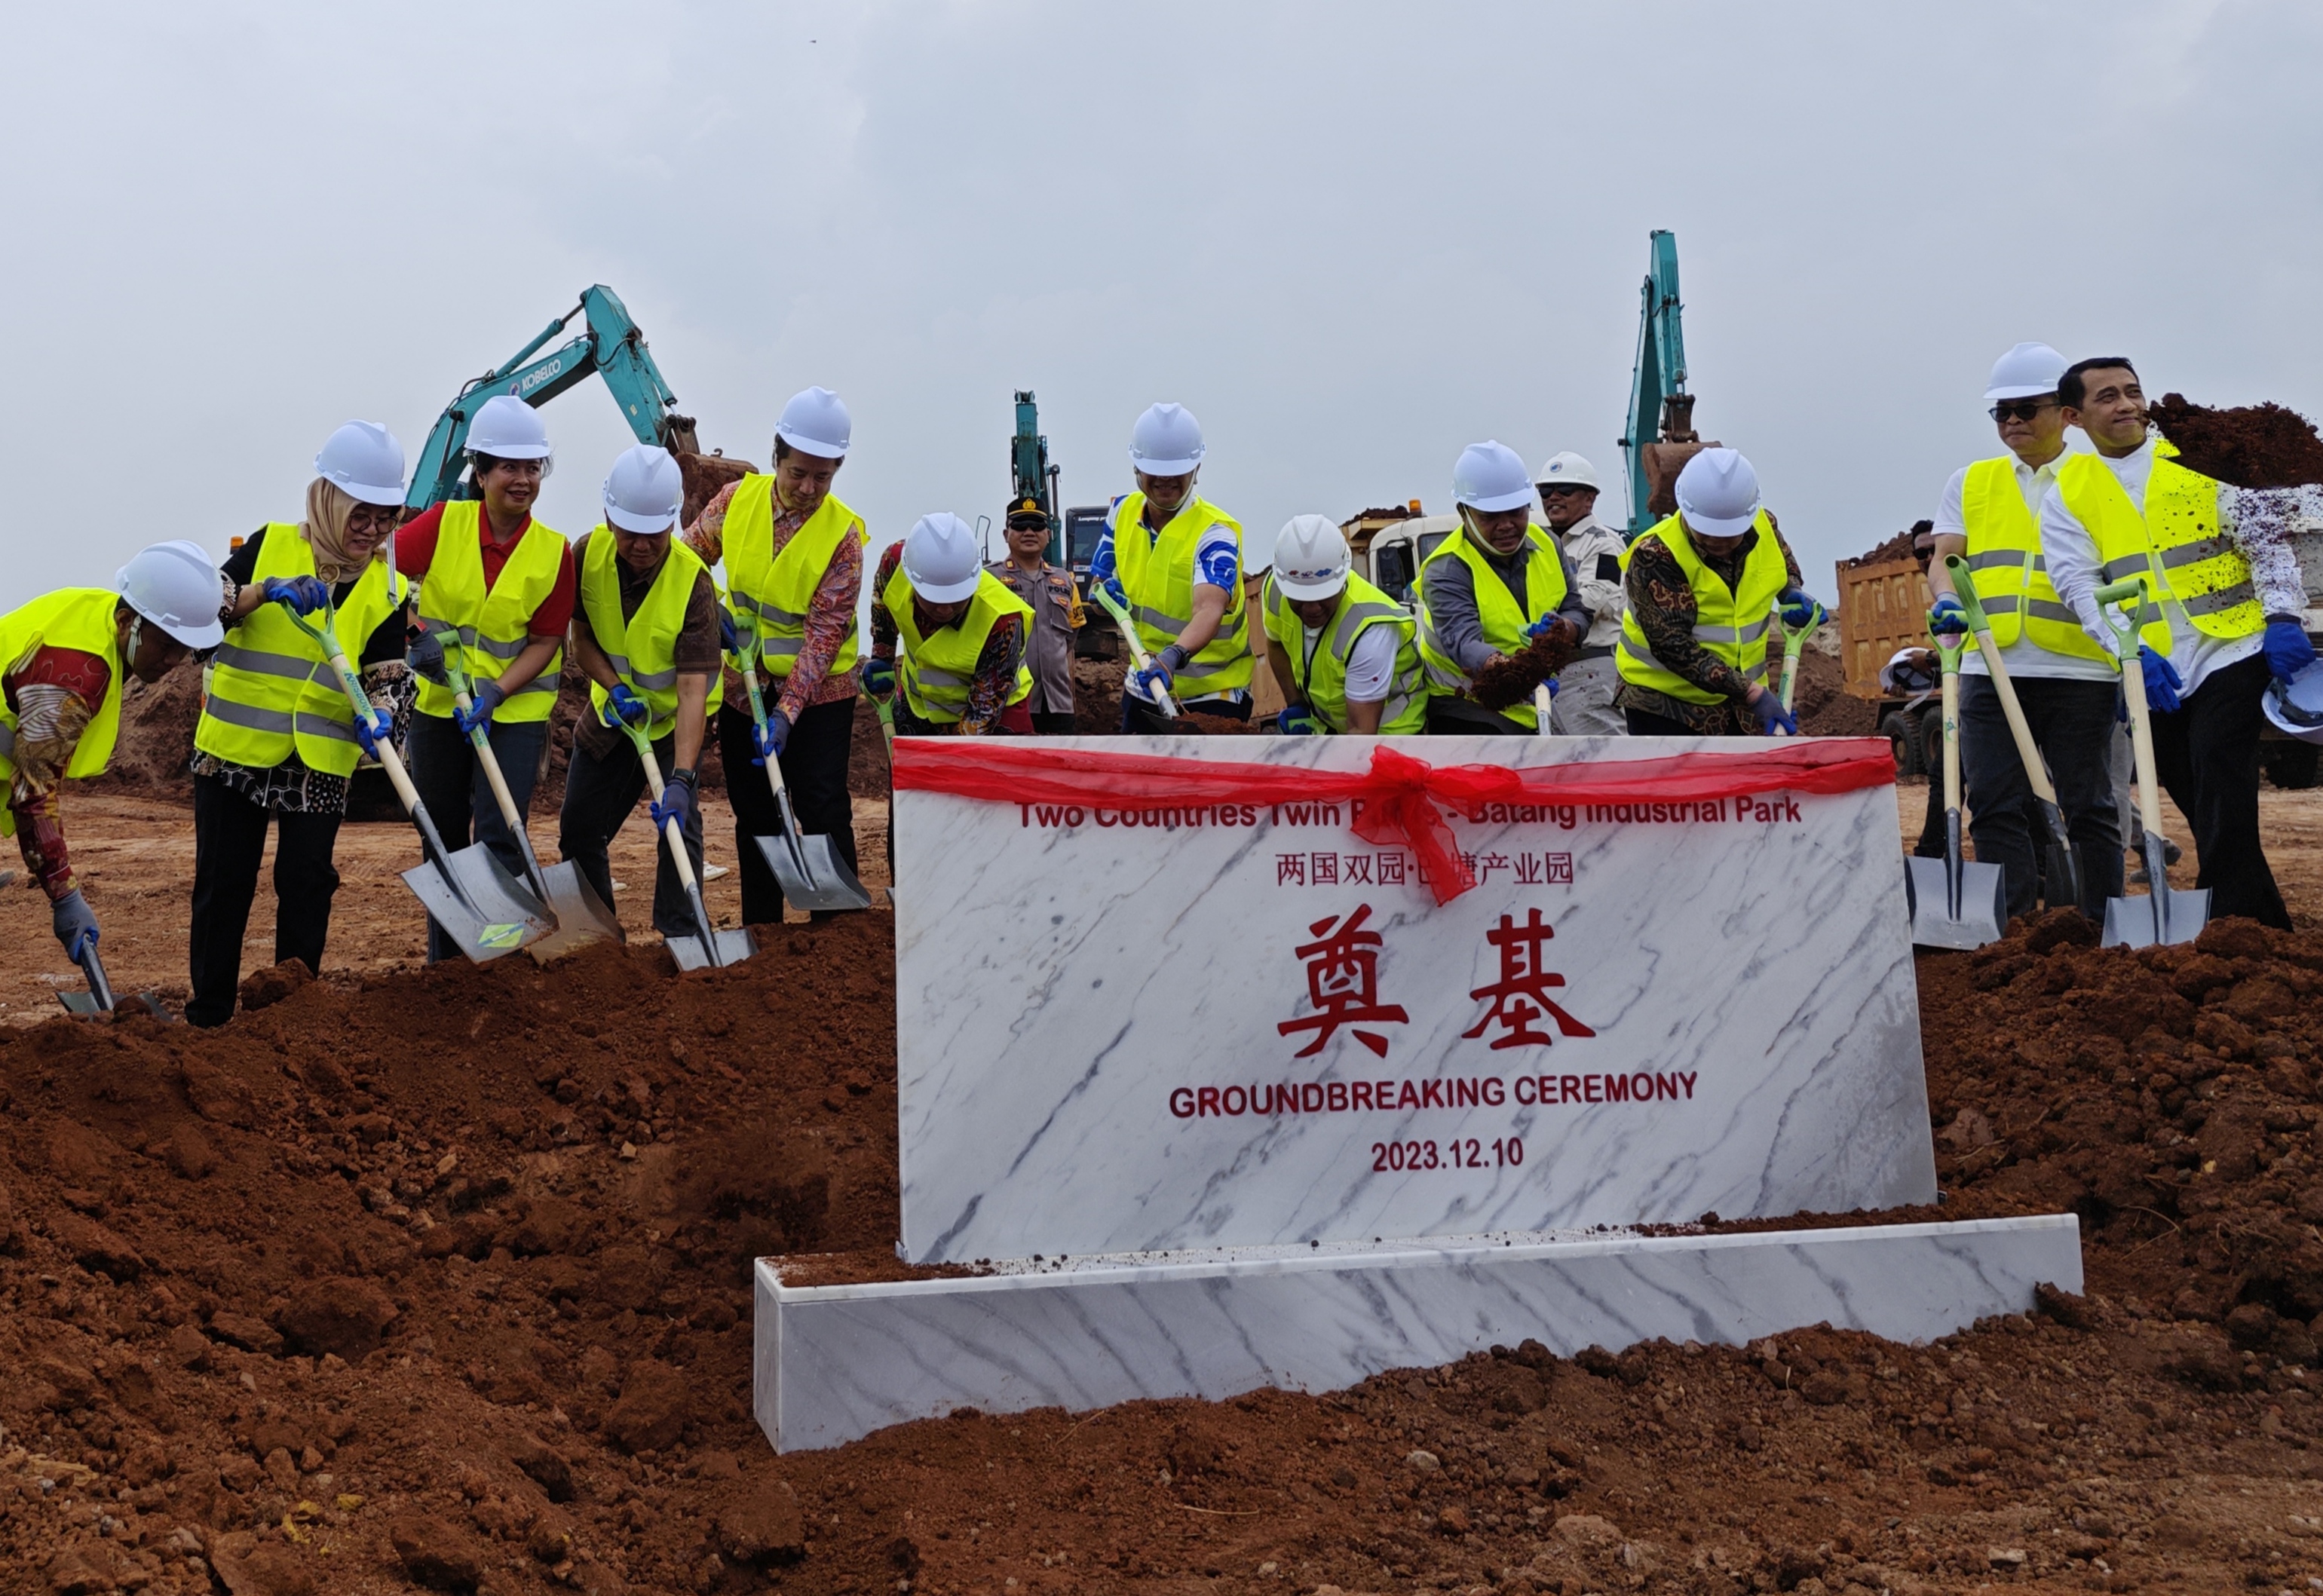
x: 646, y: 635
x: 950, y: 634
x: 2064, y: 682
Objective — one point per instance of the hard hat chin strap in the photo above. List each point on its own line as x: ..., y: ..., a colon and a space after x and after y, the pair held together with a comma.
x: 130, y: 644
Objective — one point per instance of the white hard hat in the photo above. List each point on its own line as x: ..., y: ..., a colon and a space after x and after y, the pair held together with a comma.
x: 815, y: 422
x: 1567, y: 470
x: 1311, y: 558
x: 174, y: 585
x: 1718, y: 494
x: 2296, y: 706
x: 365, y: 462
x: 645, y: 491
x: 942, y: 558
x: 2027, y: 372
x: 1166, y: 441
x: 1490, y: 476
x: 507, y: 429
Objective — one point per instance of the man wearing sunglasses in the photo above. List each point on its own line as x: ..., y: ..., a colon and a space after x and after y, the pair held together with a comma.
x: 1990, y: 516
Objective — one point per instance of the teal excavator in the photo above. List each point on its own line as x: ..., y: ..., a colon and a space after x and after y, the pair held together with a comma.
x: 1661, y: 437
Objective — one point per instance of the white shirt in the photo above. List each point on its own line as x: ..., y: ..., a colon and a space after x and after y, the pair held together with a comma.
x: 1586, y: 543
x: 1371, y: 662
x: 2024, y: 657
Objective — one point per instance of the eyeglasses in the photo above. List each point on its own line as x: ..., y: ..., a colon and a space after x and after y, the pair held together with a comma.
x: 2020, y: 410
x: 374, y: 518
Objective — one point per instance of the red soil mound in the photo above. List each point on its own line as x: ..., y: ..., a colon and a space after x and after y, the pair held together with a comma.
x: 2249, y: 446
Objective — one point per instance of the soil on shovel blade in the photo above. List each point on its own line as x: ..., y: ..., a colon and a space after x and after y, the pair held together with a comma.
x: 1512, y: 681
x: 440, y: 1279
x: 2249, y: 446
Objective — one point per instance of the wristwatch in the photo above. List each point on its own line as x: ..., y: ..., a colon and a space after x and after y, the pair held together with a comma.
x: 686, y: 774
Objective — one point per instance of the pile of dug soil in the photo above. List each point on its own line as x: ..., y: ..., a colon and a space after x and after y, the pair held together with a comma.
x: 1899, y: 547
x: 704, y: 475
x: 157, y: 734
x: 1511, y: 681
x: 1820, y: 701
x: 2248, y: 445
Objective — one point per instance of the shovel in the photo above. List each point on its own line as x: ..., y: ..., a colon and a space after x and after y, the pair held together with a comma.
x: 1956, y: 902
x: 808, y: 869
x: 2167, y: 915
x: 885, y: 711
x: 98, y: 999
x: 469, y: 894
x: 1543, y: 701
x: 1795, y: 639
x: 713, y: 948
x: 2065, y: 872
x: 578, y: 914
x: 1139, y: 658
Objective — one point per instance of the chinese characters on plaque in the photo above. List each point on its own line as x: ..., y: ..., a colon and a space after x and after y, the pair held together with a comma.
x: 1343, y: 985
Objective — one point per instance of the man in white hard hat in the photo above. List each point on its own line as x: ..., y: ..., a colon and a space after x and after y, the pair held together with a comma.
x: 1991, y: 517
x: 1341, y: 649
x: 278, y: 742
x: 1488, y: 590
x: 64, y: 658
x: 1592, y: 554
x: 646, y: 635
x: 949, y: 635
x: 1174, y: 560
x: 2221, y: 619
x: 1703, y: 586
x: 1057, y: 614
x: 793, y: 557
x: 496, y: 587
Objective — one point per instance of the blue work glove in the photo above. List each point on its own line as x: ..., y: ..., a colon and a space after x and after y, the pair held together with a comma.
x: 1544, y: 626
x: 676, y: 802
x: 2287, y: 649
x: 1772, y: 717
x: 303, y: 594
x: 1800, y: 608
x: 2161, y: 682
x: 1948, y: 618
x: 624, y: 706
x: 373, y: 727
x: 483, y: 698
x: 1115, y: 592
x: 1298, y: 720
x: 1163, y: 673
x: 730, y: 639
x: 771, y: 739
x: 74, y: 922
x: 425, y: 655
x: 879, y: 678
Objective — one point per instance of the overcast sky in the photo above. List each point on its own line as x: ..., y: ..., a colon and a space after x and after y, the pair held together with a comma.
x: 1351, y: 237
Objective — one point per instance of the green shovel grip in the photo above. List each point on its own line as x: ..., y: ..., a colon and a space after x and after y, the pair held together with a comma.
x: 2130, y: 591
x: 1964, y: 590
x: 1950, y: 646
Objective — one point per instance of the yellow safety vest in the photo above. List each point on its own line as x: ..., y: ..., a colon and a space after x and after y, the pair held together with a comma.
x: 1157, y: 573
x: 642, y: 648
x: 489, y: 629
x: 2004, y: 557
x: 936, y: 671
x: 1731, y: 624
x: 1322, y: 678
x: 2175, y: 547
x: 79, y: 618
x: 1502, y: 618
x: 271, y: 693
x: 773, y: 591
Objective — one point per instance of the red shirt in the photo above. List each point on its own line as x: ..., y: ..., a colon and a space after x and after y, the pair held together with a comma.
x: 415, y: 551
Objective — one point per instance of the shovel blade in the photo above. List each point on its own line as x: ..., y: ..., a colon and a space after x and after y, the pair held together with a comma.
x: 1983, y: 903
x: 81, y: 1002
x: 479, y: 903
x: 2130, y: 923
x: 581, y: 917
x: 691, y: 954
x: 815, y: 876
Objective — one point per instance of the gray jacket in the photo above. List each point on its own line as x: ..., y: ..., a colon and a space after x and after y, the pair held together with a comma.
x: 1449, y: 588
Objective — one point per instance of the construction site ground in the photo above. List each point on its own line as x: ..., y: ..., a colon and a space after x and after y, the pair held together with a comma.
x: 439, y: 1278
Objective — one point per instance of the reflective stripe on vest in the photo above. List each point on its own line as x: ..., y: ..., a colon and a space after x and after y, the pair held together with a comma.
x: 2175, y: 547
x: 79, y: 618
x: 2012, y: 576
x: 1361, y: 607
x: 489, y: 626
x: 937, y: 670
x: 1503, y: 622
x: 642, y: 648
x: 1157, y: 573
x: 776, y: 591
x: 1720, y: 624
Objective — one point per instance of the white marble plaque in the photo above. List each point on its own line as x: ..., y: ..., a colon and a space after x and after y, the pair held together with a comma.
x: 1130, y: 1032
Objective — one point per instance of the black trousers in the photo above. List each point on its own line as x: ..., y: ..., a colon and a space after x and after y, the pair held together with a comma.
x: 459, y: 799
x: 229, y: 842
x: 600, y: 793
x: 1142, y: 719
x: 814, y: 769
x: 1458, y: 717
x: 2207, y: 754
x: 2072, y: 725
x: 1052, y: 722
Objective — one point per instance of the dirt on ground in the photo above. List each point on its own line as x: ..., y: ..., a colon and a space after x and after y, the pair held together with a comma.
x: 2249, y: 446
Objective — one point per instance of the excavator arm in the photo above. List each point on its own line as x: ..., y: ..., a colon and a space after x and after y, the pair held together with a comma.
x: 612, y: 348
x: 1030, y: 474
x: 1661, y: 411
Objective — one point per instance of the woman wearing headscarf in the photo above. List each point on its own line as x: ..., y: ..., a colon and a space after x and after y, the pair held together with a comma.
x: 278, y: 739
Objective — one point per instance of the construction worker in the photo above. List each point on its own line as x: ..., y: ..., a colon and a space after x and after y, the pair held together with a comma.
x: 1593, y: 555
x: 1488, y: 590
x: 1702, y: 586
x: 646, y: 635
x: 496, y: 594
x: 1341, y: 649
x: 278, y: 741
x: 950, y: 634
x: 64, y: 658
x: 2221, y: 621
x: 794, y: 555
x: 1057, y: 614
x: 1991, y: 517
x: 1173, y: 560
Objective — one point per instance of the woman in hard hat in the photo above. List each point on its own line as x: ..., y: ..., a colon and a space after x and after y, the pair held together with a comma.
x: 495, y: 588
x: 950, y: 634
x: 67, y: 655
x: 793, y: 557
x: 278, y: 740
x: 1341, y: 649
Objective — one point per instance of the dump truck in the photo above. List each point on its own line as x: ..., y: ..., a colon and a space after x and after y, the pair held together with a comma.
x: 1883, y: 606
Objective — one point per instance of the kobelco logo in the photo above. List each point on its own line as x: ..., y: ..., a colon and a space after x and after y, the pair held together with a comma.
x: 535, y: 379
